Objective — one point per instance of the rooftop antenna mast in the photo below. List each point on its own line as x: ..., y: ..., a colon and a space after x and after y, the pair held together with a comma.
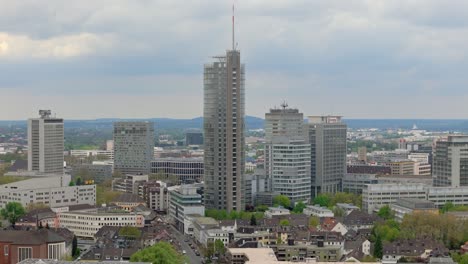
x: 284, y: 105
x: 233, y: 37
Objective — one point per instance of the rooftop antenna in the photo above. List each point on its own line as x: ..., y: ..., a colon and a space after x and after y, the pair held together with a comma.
x: 233, y: 37
x: 284, y: 105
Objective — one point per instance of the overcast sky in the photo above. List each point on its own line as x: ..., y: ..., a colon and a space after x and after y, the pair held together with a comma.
x: 141, y: 58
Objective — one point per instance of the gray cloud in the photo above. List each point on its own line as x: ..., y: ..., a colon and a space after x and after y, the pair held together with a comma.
x: 368, y: 58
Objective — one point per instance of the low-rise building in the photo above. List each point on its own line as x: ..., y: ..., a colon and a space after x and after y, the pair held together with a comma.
x: 375, y: 196
x: 19, y: 245
x: 50, y: 191
x: 130, y: 183
x: 128, y: 201
x: 407, y: 206
x: 87, y: 222
x: 185, y: 170
x: 274, y: 211
x: 80, y: 153
x: 97, y: 172
x: 317, y: 210
x: 347, y: 208
x: 412, y: 250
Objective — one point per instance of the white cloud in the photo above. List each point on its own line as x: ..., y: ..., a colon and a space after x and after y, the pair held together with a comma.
x: 24, y: 47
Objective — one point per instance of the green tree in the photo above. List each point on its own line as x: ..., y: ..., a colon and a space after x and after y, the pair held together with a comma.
x: 284, y: 222
x: 129, y: 232
x: 12, y: 212
x: 71, y: 183
x: 323, y: 200
x: 314, y: 221
x: 282, y: 200
x: 75, y: 249
x: 79, y: 181
x: 386, y: 212
x: 261, y: 208
x: 378, y: 248
x: 160, y: 253
x: 447, y: 207
x: 219, y: 247
x: 253, y: 220
x: 299, y: 207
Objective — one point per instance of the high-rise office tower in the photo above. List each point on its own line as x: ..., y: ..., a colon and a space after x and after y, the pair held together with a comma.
x: 45, y: 143
x: 327, y: 138
x: 450, y: 162
x: 224, y: 110
x: 133, y: 147
x: 287, y: 154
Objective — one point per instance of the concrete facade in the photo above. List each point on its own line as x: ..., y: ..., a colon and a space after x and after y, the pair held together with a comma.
x: 224, y: 111
x: 133, y: 147
x: 450, y: 162
x: 45, y: 143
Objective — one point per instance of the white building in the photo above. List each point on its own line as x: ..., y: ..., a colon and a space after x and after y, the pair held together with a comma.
x: 272, y: 211
x: 86, y: 223
x: 451, y: 161
x: 45, y: 143
x: 81, y: 153
x: 375, y: 196
x: 287, y: 154
x: 184, y: 200
x: 51, y: 191
x: 211, y: 235
x: 317, y: 210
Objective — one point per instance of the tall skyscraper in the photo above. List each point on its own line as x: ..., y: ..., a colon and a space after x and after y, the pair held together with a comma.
x: 133, y: 147
x: 45, y: 143
x: 224, y: 110
x: 287, y: 154
x: 327, y: 138
x: 450, y: 162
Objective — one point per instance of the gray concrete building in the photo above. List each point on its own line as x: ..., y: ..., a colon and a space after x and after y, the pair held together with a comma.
x: 193, y: 137
x: 450, y: 162
x: 133, y: 147
x: 224, y: 110
x: 45, y: 143
x: 287, y: 154
x: 184, y: 170
x: 327, y: 138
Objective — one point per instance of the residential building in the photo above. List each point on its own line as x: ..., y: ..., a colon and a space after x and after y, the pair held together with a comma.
x: 45, y: 143
x: 317, y: 210
x: 407, y: 206
x: 156, y: 196
x: 87, y: 222
x: 183, y: 170
x: 450, y: 162
x: 412, y: 249
x: 193, y: 138
x: 327, y: 137
x: 128, y: 201
x: 287, y: 154
x: 184, y: 200
x: 19, y: 245
x: 347, y: 208
x: 133, y: 147
x: 50, y: 191
x: 224, y: 111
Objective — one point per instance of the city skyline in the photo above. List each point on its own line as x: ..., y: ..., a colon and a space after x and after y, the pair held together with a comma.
x: 371, y: 59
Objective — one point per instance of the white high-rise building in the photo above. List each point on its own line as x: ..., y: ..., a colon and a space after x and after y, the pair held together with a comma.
x: 450, y: 162
x: 45, y: 143
x: 287, y: 154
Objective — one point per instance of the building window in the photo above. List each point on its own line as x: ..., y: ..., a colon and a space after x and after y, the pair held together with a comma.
x: 56, y: 251
x: 24, y: 253
x: 5, y: 250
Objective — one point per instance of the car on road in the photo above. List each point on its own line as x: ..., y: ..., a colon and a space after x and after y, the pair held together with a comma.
x: 183, y: 252
x: 197, y: 253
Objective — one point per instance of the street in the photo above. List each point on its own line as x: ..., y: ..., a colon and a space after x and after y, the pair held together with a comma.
x: 193, y: 259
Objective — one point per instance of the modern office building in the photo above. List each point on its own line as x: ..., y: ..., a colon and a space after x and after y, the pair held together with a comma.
x: 402, y: 167
x: 133, y: 147
x: 193, y: 138
x: 45, y: 143
x: 184, y: 200
x: 450, y: 162
x: 49, y: 191
x: 129, y: 183
x: 356, y: 182
x: 224, y: 110
x: 81, y: 153
x: 327, y: 137
x: 96, y: 172
x: 406, y: 206
x: 287, y: 154
x: 185, y: 170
